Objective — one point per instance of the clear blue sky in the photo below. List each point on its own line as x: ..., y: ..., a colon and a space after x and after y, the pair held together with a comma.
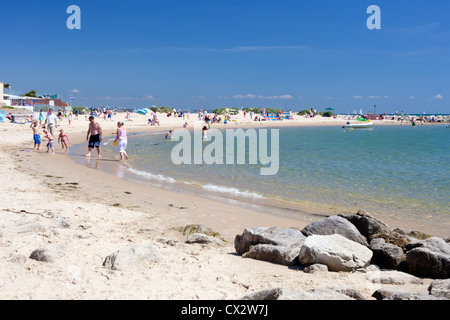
x: 212, y: 53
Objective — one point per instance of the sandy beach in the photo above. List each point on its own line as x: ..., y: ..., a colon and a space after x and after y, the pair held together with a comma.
x: 49, y: 200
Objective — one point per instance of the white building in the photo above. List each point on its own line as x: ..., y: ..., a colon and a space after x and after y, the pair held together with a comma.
x: 2, y: 102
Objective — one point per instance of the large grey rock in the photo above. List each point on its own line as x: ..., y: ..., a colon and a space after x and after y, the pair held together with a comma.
x: 434, y: 244
x: 274, y: 244
x: 440, y: 288
x: 335, y: 225
x: 372, y: 228
x: 390, y: 294
x: 335, y: 251
x: 291, y: 294
x: 423, y: 262
x: 386, y: 255
x: 132, y: 256
x: 392, y: 277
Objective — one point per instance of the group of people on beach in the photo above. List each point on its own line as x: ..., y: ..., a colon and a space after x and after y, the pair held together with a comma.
x: 49, y: 130
x: 94, y: 135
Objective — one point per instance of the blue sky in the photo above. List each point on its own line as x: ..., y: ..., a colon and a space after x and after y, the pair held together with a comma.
x: 239, y: 53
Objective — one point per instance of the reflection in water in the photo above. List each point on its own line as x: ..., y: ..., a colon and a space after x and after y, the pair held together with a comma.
x: 93, y: 164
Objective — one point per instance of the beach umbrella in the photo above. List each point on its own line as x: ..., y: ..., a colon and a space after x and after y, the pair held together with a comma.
x: 329, y: 109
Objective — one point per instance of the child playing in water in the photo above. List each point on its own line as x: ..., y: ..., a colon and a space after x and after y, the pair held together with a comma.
x: 49, y: 136
x: 63, y: 138
x: 169, y: 135
x: 36, y: 136
x: 121, y: 139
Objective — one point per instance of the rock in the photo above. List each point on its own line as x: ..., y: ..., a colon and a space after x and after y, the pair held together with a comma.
x: 388, y: 294
x: 61, y: 222
x: 352, y: 293
x: 335, y: 251
x: 440, y: 288
x: 130, y: 257
x: 275, y: 245
x: 386, y: 255
x: 204, y: 239
x: 48, y: 254
x: 414, y: 234
x: 423, y: 262
x: 316, y: 268
x: 392, y: 277
x: 197, y: 228
x: 291, y: 294
x: 372, y: 228
x: 335, y: 225
x: 435, y: 244
x: 169, y: 242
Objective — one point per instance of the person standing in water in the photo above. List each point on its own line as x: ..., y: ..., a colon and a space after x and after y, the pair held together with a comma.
x: 121, y: 139
x: 94, y: 135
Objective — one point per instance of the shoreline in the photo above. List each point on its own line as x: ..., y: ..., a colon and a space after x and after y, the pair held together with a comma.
x: 105, y: 213
x: 274, y: 206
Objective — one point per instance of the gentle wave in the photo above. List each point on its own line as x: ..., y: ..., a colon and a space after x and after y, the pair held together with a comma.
x: 234, y: 191
x: 150, y: 175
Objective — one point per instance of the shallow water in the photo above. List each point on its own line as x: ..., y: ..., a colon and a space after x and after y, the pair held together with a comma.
x: 400, y: 173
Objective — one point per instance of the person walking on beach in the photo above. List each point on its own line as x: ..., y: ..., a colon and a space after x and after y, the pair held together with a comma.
x: 69, y: 117
x: 36, y: 136
x: 63, y: 138
x: 51, y: 122
x: 121, y: 139
x: 49, y: 136
x: 41, y: 117
x: 94, y: 135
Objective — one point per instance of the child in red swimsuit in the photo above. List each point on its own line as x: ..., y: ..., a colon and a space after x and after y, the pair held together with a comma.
x: 63, y: 138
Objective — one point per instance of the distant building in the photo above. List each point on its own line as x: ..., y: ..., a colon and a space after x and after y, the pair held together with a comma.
x: 33, y: 103
x: 2, y: 101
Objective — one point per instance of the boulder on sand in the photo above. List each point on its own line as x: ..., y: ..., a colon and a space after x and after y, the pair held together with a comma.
x: 274, y: 244
x: 335, y: 225
x: 335, y: 251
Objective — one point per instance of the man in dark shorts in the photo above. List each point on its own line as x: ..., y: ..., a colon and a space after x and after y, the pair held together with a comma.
x: 94, y: 135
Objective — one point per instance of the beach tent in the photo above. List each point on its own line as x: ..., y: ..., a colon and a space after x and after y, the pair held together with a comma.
x: 142, y: 111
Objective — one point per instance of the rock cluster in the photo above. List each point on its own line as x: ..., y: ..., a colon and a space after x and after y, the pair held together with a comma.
x: 350, y: 243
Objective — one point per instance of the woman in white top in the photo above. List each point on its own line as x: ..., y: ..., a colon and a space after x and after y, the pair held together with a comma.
x: 121, y: 139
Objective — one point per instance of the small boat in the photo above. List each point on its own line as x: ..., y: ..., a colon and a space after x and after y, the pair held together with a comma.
x: 362, y: 125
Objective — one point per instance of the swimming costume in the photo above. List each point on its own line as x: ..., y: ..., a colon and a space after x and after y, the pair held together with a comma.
x: 94, y: 141
x: 37, y: 139
x: 50, y: 144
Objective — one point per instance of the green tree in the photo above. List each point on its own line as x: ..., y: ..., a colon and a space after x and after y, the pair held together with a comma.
x: 32, y: 93
x: 302, y: 112
x: 165, y: 109
x: 6, y: 86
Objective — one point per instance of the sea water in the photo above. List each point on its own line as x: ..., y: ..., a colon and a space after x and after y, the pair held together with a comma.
x: 398, y: 173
